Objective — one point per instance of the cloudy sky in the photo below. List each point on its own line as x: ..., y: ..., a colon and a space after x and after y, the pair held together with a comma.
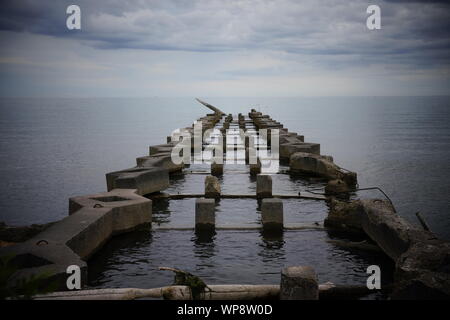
x: 224, y: 48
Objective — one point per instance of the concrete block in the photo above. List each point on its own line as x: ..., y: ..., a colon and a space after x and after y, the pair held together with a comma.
x: 161, y: 160
x: 392, y: 233
x: 337, y: 188
x: 92, y: 220
x: 161, y: 148
x: 272, y: 214
x: 422, y: 260
x: 290, y: 137
x: 320, y: 166
x: 423, y: 271
x: 217, y: 169
x: 205, y: 218
x: 212, y: 187
x: 345, y: 216
x: 128, y: 208
x: 299, y: 283
x: 255, y: 168
x: 263, y: 186
x: 287, y: 149
x: 144, y: 180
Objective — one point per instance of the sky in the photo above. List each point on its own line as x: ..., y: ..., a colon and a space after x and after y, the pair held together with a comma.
x: 137, y: 48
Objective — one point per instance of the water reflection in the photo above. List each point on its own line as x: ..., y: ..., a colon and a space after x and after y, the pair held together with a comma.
x: 204, y: 248
x: 160, y: 211
x: 118, y: 253
x: 177, y: 179
x: 271, y: 246
x: 252, y: 179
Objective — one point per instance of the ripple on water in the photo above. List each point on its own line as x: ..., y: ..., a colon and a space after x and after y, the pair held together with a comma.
x: 245, y: 257
x: 235, y: 212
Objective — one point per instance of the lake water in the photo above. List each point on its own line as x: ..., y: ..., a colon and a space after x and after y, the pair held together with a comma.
x: 53, y: 149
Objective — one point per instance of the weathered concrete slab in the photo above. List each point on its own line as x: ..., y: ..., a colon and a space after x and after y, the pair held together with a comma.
x: 288, y: 149
x: 299, y: 283
x: 314, y: 164
x: 216, y: 169
x: 92, y: 221
x: 422, y: 260
x: 337, y: 188
x: 385, y: 227
x: 205, y: 217
x: 161, y: 148
x: 423, y: 271
x: 263, y: 186
x: 212, y: 187
x: 291, y: 137
x: 345, y: 216
x: 320, y: 166
x: 129, y: 208
x: 377, y: 219
x: 161, y: 160
x: 272, y: 214
x: 144, y: 180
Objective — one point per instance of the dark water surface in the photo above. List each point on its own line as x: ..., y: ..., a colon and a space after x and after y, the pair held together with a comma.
x: 52, y: 149
x: 231, y: 257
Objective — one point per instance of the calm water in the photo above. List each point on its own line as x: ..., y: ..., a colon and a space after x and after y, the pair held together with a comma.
x: 230, y: 256
x: 52, y: 149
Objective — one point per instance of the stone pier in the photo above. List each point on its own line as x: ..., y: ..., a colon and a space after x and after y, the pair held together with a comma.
x: 421, y: 259
x: 255, y: 169
x: 92, y: 220
x: 212, y: 187
x: 263, y: 186
x: 205, y: 218
x: 145, y: 180
x: 216, y: 169
x: 272, y: 214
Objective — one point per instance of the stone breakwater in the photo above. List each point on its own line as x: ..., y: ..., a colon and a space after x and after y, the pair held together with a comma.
x: 422, y: 260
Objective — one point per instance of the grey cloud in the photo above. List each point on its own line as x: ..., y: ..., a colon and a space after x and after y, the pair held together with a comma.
x: 413, y: 28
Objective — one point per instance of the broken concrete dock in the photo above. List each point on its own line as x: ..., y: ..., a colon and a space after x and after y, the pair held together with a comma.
x: 260, y: 143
